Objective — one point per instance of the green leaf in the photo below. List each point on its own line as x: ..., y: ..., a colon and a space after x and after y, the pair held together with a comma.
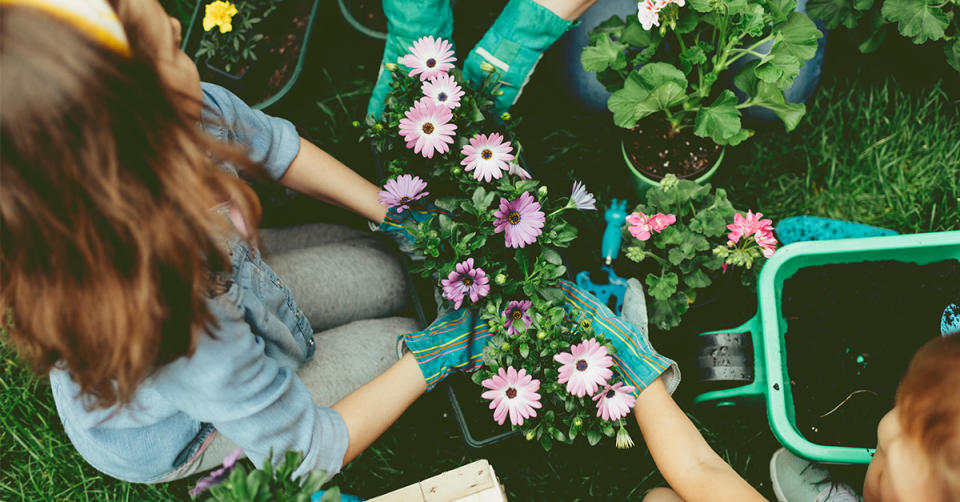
x: 777, y: 67
x: 921, y: 20
x: 676, y: 255
x: 702, y: 6
x: 611, y: 27
x: 605, y: 54
x: 799, y: 37
x: 552, y: 295
x: 478, y: 199
x: 688, y: 21
x: 524, y: 348
x: 771, y: 97
x: 752, y: 20
x: 698, y: 279
x: 656, y: 74
x: 608, y: 430
x: 952, y: 52
x: 551, y: 256
x: 873, y: 32
x: 635, y: 35
x: 720, y: 120
x: 833, y: 13
x: 332, y: 494
x: 314, y: 481
x: 446, y: 224
x: 593, y: 436
x: 654, y: 87
x: 662, y: 288
x: 546, y: 442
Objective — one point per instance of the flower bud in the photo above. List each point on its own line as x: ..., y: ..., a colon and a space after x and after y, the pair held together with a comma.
x: 377, y: 127
x: 505, y: 347
x: 498, y: 92
x: 493, y: 325
x: 577, y: 422
x: 541, y: 335
x: 457, y: 171
x: 355, y: 123
x: 500, y: 279
x: 505, y: 116
x: 529, y: 435
x: 390, y: 67
x: 487, y: 67
x: 542, y: 191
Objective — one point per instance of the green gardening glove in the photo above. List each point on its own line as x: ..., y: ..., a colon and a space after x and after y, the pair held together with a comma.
x: 407, y: 21
x: 454, y: 342
x: 635, y: 359
x: 513, y: 46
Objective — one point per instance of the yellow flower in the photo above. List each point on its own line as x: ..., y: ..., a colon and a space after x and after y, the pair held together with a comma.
x: 219, y: 13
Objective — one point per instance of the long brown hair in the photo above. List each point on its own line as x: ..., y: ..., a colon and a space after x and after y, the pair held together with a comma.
x: 108, y: 240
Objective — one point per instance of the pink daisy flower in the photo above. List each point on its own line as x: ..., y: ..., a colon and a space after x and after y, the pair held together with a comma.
x: 426, y: 127
x: 516, y: 170
x: 520, y: 219
x: 465, y: 280
x: 639, y: 226
x: 429, y: 57
x: 517, y: 311
x: 660, y: 221
x: 443, y: 90
x: 581, y: 198
x: 615, y: 401
x: 402, y: 191
x: 648, y: 12
x: 585, y: 367
x: 747, y: 226
x: 488, y: 155
x: 513, y: 392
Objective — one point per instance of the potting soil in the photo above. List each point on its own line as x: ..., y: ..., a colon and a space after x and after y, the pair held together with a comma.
x: 851, y: 332
x: 656, y: 151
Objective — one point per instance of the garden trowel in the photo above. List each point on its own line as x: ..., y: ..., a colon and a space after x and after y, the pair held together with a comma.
x: 606, y: 285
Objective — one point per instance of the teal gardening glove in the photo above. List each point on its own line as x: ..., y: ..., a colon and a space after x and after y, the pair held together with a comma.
x: 636, y: 360
x: 395, y: 225
x: 407, y: 21
x: 454, y: 342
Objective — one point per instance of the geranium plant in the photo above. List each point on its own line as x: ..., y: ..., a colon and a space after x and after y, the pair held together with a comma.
x: 496, y: 248
x: 669, y: 58
x: 688, y: 234
x: 231, y: 40
x: 232, y: 482
x: 921, y: 21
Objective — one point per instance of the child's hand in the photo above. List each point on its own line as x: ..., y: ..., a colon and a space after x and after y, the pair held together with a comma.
x: 454, y: 342
x: 394, y: 225
x: 636, y: 360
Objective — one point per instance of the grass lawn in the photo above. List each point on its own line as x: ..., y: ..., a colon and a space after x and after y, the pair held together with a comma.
x: 880, y: 145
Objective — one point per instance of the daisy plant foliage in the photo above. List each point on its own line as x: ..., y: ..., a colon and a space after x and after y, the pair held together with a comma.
x: 496, y: 248
x: 686, y: 236
x: 669, y: 58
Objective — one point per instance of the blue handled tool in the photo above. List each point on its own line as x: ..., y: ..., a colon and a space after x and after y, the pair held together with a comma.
x: 612, y: 288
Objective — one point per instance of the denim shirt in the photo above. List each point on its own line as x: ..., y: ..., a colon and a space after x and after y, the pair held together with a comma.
x: 241, y: 378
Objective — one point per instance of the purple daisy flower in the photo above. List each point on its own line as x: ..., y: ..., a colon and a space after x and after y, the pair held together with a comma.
x: 465, y: 280
x: 517, y: 310
x: 402, y: 191
x: 520, y: 219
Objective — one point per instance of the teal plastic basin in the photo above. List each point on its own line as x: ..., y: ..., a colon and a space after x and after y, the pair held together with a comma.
x: 771, y: 383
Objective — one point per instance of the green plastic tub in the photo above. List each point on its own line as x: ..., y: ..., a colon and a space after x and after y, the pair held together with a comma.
x: 771, y: 383
x: 191, y: 41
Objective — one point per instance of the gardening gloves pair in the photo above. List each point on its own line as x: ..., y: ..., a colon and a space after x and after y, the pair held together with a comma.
x: 635, y: 359
x: 512, y: 47
x: 454, y: 342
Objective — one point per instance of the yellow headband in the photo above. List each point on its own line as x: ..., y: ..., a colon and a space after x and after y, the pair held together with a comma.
x: 95, y: 18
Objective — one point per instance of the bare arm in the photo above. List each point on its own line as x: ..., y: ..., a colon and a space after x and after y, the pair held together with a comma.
x: 317, y: 174
x: 371, y: 409
x: 684, y: 458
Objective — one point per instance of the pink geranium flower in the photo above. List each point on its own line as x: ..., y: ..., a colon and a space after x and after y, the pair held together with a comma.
x: 429, y: 57
x: 517, y: 311
x: 512, y: 392
x: 639, y: 226
x: 766, y: 241
x: 648, y: 12
x: 489, y: 155
x: 747, y: 226
x: 615, y: 401
x: 520, y: 219
x: 426, y: 127
x: 660, y: 221
x: 443, y: 90
x: 465, y: 280
x: 585, y: 367
x: 402, y: 191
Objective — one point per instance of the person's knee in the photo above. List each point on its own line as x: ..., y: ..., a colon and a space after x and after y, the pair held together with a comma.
x: 662, y: 494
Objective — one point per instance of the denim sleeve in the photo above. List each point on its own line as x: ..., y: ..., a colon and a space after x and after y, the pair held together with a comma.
x: 252, y: 399
x: 272, y: 142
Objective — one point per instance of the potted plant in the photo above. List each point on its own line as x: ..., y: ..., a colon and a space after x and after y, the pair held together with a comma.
x: 255, y: 48
x: 663, y: 79
x: 232, y: 482
x: 499, y: 237
x: 686, y: 236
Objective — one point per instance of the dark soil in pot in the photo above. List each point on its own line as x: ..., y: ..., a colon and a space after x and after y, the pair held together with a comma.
x: 277, y: 54
x: 655, y: 151
x: 851, y: 331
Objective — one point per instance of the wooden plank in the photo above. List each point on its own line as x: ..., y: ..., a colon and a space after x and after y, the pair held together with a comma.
x: 459, y: 483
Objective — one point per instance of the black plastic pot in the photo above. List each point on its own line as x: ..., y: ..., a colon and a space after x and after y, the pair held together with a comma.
x: 347, y: 8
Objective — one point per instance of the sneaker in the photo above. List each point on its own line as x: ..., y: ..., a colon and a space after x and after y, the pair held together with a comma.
x: 797, y: 480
